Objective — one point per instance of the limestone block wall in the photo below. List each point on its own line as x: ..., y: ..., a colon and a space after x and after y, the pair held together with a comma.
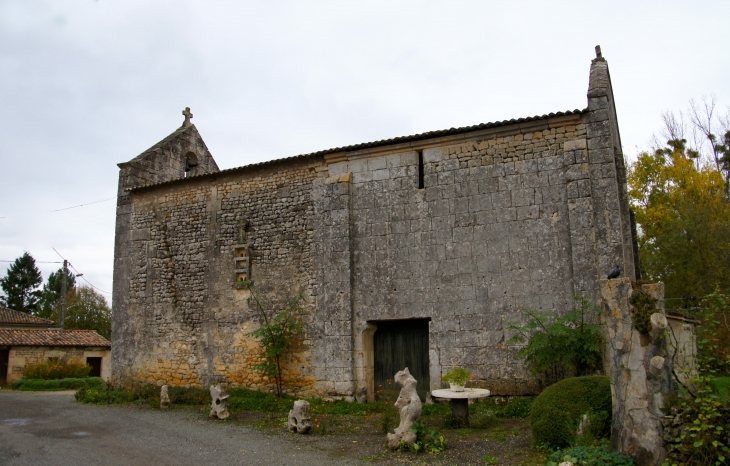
x: 492, y: 232
x: 20, y: 356
x: 187, y: 323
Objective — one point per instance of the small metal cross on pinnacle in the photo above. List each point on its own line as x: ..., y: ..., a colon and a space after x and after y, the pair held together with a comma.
x: 188, y: 116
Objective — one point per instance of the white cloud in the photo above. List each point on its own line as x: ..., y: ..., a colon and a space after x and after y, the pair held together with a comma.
x: 85, y: 85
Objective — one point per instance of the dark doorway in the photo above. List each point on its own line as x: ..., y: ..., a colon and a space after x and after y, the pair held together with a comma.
x: 4, y: 354
x: 95, y: 364
x: 398, y: 344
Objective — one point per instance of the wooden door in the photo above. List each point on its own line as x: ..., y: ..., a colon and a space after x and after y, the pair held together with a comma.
x: 95, y: 364
x: 399, y: 344
x: 4, y: 354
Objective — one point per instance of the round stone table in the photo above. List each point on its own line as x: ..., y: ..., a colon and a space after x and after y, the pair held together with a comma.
x: 460, y: 401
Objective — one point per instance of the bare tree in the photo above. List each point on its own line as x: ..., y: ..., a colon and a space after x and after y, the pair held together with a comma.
x: 707, y: 134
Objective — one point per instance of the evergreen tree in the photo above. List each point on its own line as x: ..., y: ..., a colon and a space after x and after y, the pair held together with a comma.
x: 20, y: 285
x: 51, y: 294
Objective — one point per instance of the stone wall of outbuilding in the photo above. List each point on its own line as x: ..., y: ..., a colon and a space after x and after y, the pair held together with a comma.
x: 20, y: 356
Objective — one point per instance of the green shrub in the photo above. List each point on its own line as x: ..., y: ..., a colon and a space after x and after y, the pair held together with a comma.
x: 559, y: 345
x: 428, y: 440
x: 590, y: 456
x: 62, y: 369
x: 556, y: 412
x: 58, y: 384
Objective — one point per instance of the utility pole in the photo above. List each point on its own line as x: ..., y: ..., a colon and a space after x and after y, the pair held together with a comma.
x: 63, y: 293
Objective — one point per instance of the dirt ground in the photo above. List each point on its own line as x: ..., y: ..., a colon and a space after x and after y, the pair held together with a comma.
x: 361, y: 437
x: 39, y: 428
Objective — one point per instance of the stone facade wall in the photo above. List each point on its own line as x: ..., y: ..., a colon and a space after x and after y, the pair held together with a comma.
x: 189, y: 321
x: 493, y: 231
x: 20, y: 356
x: 520, y: 215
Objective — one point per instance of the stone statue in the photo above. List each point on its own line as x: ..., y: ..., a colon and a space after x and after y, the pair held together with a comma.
x: 299, y: 417
x: 164, y: 397
x: 409, y: 406
x: 219, y: 404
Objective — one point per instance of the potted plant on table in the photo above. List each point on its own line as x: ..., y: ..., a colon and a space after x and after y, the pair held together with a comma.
x: 457, y: 378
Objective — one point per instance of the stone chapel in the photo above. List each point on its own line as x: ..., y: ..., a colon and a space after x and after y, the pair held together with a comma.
x: 414, y: 251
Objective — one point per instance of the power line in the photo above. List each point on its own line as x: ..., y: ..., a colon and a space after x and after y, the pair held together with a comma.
x: 38, y: 262
x: 81, y: 205
x: 79, y: 274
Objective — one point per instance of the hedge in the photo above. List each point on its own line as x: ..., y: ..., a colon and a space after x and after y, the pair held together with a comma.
x: 56, y: 384
x: 558, y: 410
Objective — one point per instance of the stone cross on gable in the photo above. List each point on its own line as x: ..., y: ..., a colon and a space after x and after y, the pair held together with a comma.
x: 188, y: 116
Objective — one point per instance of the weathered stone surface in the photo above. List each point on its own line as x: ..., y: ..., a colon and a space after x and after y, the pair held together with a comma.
x: 519, y: 215
x: 219, y: 402
x: 164, y: 397
x: 640, y: 372
x: 299, y: 417
x: 409, y: 406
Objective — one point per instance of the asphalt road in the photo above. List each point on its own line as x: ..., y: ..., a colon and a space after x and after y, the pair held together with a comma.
x: 52, y: 429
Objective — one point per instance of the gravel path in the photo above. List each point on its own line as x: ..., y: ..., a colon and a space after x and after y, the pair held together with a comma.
x: 52, y: 429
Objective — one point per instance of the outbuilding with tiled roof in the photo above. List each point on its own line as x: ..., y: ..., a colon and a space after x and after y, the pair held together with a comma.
x: 10, y: 318
x: 27, y: 339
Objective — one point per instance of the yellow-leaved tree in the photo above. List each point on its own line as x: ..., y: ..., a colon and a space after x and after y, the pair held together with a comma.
x: 683, y: 215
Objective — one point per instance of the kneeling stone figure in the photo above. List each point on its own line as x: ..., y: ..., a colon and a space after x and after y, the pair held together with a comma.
x: 299, y: 417
x: 409, y: 406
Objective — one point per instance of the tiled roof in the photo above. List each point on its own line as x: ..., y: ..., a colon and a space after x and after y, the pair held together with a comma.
x: 51, y: 337
x: 367, y: 145
x: 13, y: 317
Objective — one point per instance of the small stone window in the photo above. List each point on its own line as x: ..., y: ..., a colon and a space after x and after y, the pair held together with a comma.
x: 191, y: 161
x: 421, y: 176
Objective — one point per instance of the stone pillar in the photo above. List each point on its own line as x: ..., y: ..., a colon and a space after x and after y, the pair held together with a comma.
x: 611, y: 223
x: 640, y: 372
x: 332, y: 325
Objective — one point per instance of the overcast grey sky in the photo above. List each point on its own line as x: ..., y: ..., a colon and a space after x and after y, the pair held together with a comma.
x: 87, y: 84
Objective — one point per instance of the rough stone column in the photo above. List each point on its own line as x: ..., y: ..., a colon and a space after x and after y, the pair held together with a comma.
x: 611, y: 221
x: 332, y: 327
x: 640, y: 372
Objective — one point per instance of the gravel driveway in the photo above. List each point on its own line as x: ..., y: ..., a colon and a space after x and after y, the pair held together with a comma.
x: 52, y: 429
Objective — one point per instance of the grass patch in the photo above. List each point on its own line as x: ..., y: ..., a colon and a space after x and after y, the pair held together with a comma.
x: 504, y: 407
x: 42, y: 385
